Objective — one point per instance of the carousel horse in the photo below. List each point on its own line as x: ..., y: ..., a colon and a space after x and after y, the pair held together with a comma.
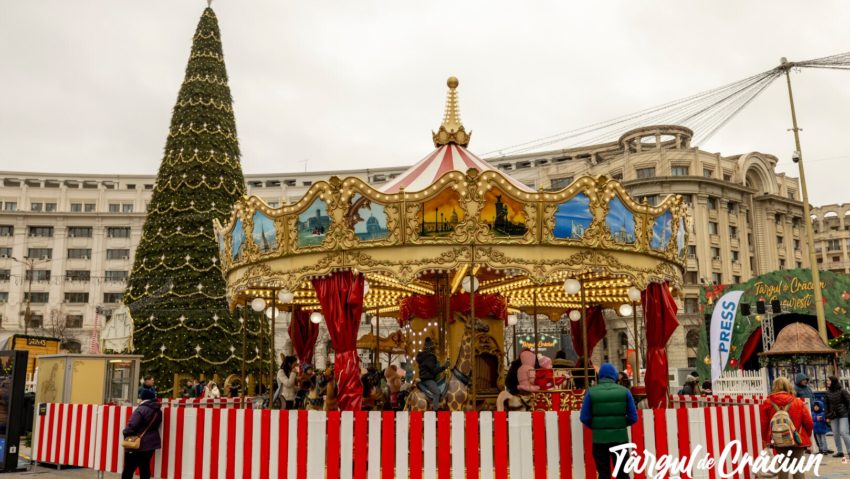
x: 373, y: 394
x: 454, y: 390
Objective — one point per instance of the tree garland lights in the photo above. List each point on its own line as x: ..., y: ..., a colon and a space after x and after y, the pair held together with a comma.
x: 176, y: 292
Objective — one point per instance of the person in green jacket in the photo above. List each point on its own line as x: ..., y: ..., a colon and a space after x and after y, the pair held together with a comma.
x: 608, y: 410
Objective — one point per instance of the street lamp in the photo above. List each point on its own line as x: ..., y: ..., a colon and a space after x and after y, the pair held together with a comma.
x: 259, y: 305
x: 571, y: 287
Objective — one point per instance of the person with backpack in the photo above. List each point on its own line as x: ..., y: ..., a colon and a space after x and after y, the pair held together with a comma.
x: 786, y: 423
x: 837, y: 407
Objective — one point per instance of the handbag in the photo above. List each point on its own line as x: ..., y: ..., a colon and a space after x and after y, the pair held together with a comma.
x: 135, y: 442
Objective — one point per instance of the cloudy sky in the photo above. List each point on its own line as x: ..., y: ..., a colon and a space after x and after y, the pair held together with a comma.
x: 88, y: 85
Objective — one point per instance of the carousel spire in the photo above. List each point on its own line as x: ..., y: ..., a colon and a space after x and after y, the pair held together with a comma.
x: 451, y: 130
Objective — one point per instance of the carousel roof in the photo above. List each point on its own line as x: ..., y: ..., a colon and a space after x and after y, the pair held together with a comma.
x: 799, y: 338
x: 451, y: 153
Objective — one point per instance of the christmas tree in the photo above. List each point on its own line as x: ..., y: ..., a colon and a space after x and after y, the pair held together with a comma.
x: 176, y: 291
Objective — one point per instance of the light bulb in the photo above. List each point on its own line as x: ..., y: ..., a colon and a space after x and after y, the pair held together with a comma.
x: 469, y: 285
x: 512, y: 319
x: 575, y: 315
x: 316, y: 317
x: 572, y: 286
x: 258, y: 304
x: 365, y: 287
x: 626, y: 309
x: 286, y: 297
x: 634, y: 294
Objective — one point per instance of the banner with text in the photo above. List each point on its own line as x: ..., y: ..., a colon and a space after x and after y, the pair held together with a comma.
x: 722, y: 325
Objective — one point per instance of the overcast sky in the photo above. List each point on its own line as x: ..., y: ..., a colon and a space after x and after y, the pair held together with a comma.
x: 88, y: 85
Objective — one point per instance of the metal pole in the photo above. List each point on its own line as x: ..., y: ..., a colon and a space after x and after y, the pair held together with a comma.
x: 637, y: 344
x: 536, y: 337
x: 584, y: 336
x: 271, y: 350
x: 261, y: 354
x: 807, y: 217
x: 377, y: 361
x: 31, y: 264
x: 244, y: 380
x: 474, y: 330
x: 515, y: 343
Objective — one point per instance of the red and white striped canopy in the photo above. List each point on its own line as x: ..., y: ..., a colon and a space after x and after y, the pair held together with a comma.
x: 444, y: 159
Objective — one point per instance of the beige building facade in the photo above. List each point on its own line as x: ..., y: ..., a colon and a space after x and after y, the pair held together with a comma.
x: 82, y: 230
x: 832, y: 237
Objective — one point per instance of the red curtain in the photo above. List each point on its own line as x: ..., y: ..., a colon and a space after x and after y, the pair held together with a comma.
x: 425, y: 306
x: 341, y: 298
x: 595, y: 331
x: 659, y: 314
x: 750, y: 347
x: 303, y: 333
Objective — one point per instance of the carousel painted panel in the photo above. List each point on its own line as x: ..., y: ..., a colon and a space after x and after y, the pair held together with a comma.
x: 264, y: 233
x: 620, y: 222
x: 662, y: 231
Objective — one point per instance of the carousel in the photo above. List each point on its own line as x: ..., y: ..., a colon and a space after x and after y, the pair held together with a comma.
x: 454, y: 249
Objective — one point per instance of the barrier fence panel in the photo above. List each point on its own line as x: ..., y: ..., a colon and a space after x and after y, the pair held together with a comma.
x: 228, y: 443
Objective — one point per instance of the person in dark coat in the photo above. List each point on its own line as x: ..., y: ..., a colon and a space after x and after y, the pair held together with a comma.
x: 147, y: 383
x: 429, y: 370
x: 802, y: 389
x: 608, y: 410
x: 144, y: 422
x: 837, y: 406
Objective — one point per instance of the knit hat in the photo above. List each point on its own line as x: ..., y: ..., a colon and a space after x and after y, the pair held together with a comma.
x: 147, y: 394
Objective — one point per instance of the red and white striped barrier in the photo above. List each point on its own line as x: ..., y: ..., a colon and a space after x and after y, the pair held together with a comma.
x: 258, y: 444
x: 209, y: 402
x: 681, y: 400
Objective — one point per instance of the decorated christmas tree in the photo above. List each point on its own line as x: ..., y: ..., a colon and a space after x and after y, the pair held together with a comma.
x: 176, y: 291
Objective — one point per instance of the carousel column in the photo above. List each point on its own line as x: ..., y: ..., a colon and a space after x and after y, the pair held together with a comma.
x: 536, y: 335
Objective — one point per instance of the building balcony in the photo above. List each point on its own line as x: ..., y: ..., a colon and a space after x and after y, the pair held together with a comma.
x: 734, y: 242
x: 736, y: 266
x: 781, y: 251
x: 795, y: 232
x: 715, y: 239
x: 733, y: 218
x: 780, y: 228
x: 798, y: 254
x: 712, y: 214
x: 692, y: 263
x: 716, y: 263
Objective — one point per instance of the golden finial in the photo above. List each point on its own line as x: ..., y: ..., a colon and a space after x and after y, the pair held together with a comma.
x: 451, y: 130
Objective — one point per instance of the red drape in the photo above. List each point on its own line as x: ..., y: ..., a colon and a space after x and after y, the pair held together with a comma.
x: 425, y: 306
x: 750, y: 347
x: 659, y: 314
x: 595, y: 330
x: 341, y: 298
x: 303, y: 333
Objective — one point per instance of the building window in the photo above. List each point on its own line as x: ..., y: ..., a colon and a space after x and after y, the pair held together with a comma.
x: 77, y: 275
x: 716, y: 278
x: 800, y: 264
x: 781, y: 264
x: 306, y: 183
x: 10, y: 206
x: 679, y: 171
x: 5, y: 252
x: 692, y: 251
x: 74, y: 321
x: 112, y: 297
x: 116, y: 276
x: 118, y: 232
x: 559, y: 183
x: 833, y: 245
x: 50, y: 207
x: 79, y: 231
x: 736, y: 279
x: 715, y: 252
x: 35, y: 206
x: 4, y: 297
x: 89, y: 207
x: 691, y: 277
x: 780, y: 240
x: 712, y: 227
x: 731, y: 207
x: 5, y: 274
x: 36, y: 321
x: 40, y: 297
x: 796, y: 245
x: 792, y: 194
x: 733, y: 232
x: 712, y: 203
x: 117, y: 254
x: 76, y: 207
x: 727, y: 177
x: 148, y: 187
x: 645, y: 172
x: 617, y: 176
x: 127, y: 208
x: 691, y: 305
x: 37, y: 274
x: 7, y: 230
x: 41, y: 231
x: 114, y: 208
x: 76, y: 297
x: 735, y: 256
x: 688, y: 199
x: 707, y: 172
x: 131, y: 186
x: 40, y: 253
x: 79, y: 253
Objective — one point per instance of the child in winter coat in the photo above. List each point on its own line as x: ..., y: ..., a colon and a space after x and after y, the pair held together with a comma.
x: 821, y: 427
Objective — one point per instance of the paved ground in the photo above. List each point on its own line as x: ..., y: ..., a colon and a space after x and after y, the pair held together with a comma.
x: 831, y: 469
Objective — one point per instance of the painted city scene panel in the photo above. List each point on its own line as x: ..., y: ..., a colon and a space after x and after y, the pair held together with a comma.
x: 620, y: 221
x: 573, y: 217
x: 237, y: 239
x: 264, y: 234
x: 662, y: 231
x: 313, y: 224
x: 440, y: 215
x: 367, y: 218
x: 504, y: 214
